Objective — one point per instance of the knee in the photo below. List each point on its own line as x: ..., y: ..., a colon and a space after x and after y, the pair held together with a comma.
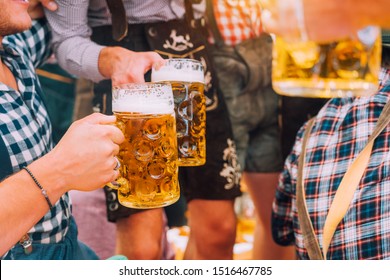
x: 219, y: 233
x: 227, y: 230
x: 145, y: 251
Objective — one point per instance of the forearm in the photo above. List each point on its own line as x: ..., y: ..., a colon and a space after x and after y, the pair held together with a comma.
x: 84, y: 159
x: 22, y: 204
x: 326, y: 19
x: 372, y: 13
x: 80, y: 57
x: 323, y: 21
x: 72, y: 44
x: 358, y: 13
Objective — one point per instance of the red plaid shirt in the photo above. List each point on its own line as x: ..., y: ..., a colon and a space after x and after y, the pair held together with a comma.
x: 237, y: 20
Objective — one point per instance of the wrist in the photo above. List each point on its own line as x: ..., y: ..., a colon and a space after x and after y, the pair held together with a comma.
x: 47, y: 173
x: 107, y: 58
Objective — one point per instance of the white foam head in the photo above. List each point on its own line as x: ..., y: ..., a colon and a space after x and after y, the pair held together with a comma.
x: 144, y: 98
x: 177, y: 69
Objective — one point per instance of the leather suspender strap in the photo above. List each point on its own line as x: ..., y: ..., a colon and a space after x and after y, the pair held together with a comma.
x: 189, y: 15
x: 198, y: 24
x: 309, y: 237
x: 345, y: 191
x: 118, y: 18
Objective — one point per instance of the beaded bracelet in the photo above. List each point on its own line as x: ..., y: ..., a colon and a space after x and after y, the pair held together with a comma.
x: 43, y: 191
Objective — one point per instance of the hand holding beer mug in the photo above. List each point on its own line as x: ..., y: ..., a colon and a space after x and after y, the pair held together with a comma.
x: 148, y: 157
x: 187, y: 79
x: 344, y: 68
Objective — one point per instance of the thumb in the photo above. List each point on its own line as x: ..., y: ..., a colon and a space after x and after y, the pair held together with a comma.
x: 49, y: 4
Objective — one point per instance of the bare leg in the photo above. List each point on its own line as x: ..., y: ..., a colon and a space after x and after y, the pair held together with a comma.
x: 138, y: 236
x: 261, y: 187
x: 212, y: 229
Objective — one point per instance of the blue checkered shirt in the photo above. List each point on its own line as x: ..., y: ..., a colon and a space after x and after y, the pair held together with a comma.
x: 25, y: 127
x: 340, y: 132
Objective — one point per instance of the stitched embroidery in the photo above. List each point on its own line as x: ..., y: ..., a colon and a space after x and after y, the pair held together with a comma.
x: 231, y: 169
x: 179, y: 43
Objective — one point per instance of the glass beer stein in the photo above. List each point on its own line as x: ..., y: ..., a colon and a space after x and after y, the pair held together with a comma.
x: 344, y: 68
x: 149, y: 167
x: 187, y: 79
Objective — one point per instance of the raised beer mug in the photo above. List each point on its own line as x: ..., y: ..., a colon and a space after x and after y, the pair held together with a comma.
x: 344, y: 68
x: 148, y: 156
x: 187, y: 79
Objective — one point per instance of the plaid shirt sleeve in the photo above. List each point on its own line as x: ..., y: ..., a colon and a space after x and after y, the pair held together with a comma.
x: 34, y: 43
x: 282, y: 210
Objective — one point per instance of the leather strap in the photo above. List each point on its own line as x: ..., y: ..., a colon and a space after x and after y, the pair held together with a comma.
x: 344, y: 193
x: 309, y: 237
x: 198, y: 24
x: 118, y: 18
x: 189, y: 14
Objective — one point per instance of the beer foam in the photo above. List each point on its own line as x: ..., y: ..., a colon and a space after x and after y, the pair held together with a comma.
x: 127, y: 105
x: 172, y: 74
x: 139, y: 99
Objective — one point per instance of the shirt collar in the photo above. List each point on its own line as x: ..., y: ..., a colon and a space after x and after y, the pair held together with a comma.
x: 5, y: 48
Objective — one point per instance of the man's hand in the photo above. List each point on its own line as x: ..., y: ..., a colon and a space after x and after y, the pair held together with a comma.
x: 85, y: 155
x: 35, y: 8
x: 124, y: 66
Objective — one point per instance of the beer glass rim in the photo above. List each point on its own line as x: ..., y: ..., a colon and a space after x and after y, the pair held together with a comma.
x: 183, y: 59
x: 188, y: 61
x: 179, y: 69
x: 142, y: 85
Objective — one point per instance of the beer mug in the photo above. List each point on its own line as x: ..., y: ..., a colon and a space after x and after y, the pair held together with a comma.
x: 345, y: 68
x: 187, y: 79
x: 148, y: 156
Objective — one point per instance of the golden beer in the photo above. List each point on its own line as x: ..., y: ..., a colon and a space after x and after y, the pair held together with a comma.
x: 148, y: 156
x: 148, y: 160
x: 186, y: 78
x: 344, y: 68
x: 246, y: 225
x: 245, y: 211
